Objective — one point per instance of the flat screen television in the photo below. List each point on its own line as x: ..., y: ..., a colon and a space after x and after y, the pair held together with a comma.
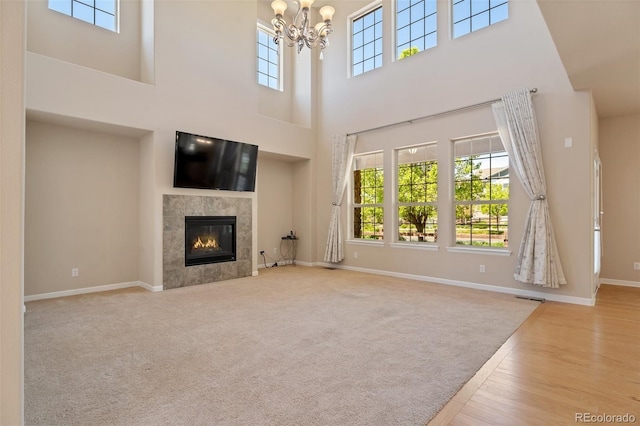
x: 210, y: 163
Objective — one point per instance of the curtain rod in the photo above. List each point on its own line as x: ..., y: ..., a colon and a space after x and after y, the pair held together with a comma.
x: 438, y: 114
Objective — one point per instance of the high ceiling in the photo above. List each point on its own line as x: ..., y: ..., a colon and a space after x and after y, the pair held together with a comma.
x: 599, y: 44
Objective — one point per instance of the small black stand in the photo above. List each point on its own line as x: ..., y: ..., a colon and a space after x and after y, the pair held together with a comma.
x: 292, y: 241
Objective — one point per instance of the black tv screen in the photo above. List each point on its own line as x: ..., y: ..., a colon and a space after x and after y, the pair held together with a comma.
x: 210, y: 163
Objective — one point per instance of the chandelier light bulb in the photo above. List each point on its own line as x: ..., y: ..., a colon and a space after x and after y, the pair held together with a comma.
x: 306, y: 4
x: 327, y: 13
x: 279, y: 6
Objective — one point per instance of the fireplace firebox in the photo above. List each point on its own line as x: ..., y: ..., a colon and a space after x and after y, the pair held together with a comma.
x: 209, y: 239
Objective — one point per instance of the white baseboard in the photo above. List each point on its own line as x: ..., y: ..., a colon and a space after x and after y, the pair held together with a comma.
x: 619, y: 282
x: 95, y: 289
x: 516, y: 292
x: 286, y: 263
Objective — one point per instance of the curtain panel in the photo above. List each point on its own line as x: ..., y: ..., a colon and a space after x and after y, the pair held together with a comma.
x: 538, y: 258
x: 342, y: 157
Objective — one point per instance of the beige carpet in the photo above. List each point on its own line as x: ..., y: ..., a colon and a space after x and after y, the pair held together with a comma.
x: 293, y: 346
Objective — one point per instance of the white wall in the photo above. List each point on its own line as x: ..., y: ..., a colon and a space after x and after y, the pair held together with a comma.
x: 275, y: 207
x: 12, y: 124
x: 81, y: 208
x: 620, y: 155
x: 512, y: 54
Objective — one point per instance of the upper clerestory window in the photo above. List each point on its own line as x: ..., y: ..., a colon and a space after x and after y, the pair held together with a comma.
x: 472, y: 15
x: 416, y: 26
x: 366, y: 41
x: 102, y: 13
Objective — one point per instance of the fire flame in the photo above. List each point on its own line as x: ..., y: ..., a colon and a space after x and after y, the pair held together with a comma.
x: 209, y: 243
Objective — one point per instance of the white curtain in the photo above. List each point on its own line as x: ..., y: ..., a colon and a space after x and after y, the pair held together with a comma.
x: 538, y: 259
x: 343, y: 147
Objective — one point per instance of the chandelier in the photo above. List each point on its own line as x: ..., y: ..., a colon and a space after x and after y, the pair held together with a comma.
x: 300, y: 32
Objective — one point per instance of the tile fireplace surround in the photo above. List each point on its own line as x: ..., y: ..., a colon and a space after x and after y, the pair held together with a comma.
x: 174, y: 209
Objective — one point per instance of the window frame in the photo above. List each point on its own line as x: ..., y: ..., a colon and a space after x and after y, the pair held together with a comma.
x: 394, y: 39
x: 455, y: 202
x: 371, y: 7
x: 353, y: 205
x: 489, y: 8
x: 396, y: 196
x: 260, y: 27
x: 70, y: 13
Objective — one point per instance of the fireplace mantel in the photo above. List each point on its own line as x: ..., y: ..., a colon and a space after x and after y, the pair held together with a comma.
x: 175, y: 209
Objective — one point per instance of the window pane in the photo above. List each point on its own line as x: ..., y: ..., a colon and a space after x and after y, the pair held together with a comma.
x: 273, y: 83
x: 369, y: 34
x: 369, y: 50
x: 403, y: 19
x: 461, y: 10
x: 83, y: 12
x: 357, y: 55
x: 263, y: 38
x: 378, y: 15
x: 461, y: 28
x: 404, y: 35
x: 263, y: 66
x: 107, y: 6
x: 368, y: 20
x: 403, y: 4
x: 263, y: 51
x: 358, y: 69
x: 430, y: 41
x: 369, y: 64
x: 478, y: 6
x: 105, y: 20
x: 273, y: 56
x: 430, y: 7
x: 417, y: 30
x: 378, y: 50
x: 358, y: 40
x: 417, y: 11
x: 273, y: 70
x: 499, y: 13
x: 263, y: 79
x: 378, y: 31
x: 480, y: 21
x: 62, y: 6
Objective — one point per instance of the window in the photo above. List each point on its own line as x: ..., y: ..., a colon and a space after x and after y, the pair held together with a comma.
x: 416, y: 24
x: 366, y: 47
x: 418, y: 193
x: 102, y: 13
x: 268, y: 59
x: 472, y: 15
x: 481, y: 189
x: 368, y: 196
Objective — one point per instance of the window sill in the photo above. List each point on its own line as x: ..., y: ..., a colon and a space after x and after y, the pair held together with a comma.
x: 378, y: 243
x: 416, y: 246
x: 493, y: 252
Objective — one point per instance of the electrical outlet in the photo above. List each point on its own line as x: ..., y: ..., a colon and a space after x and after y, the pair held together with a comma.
x: 482, y: 268
x: 355, y: 254
x: 636, y: 266
x: 261, y: 252
x: 74, y: 272
x: 275, y: 250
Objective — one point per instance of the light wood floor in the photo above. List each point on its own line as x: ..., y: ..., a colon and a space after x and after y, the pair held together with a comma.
x: 565, y: 359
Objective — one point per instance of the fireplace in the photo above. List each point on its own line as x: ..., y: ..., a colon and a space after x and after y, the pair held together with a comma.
x: 209, y: 239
